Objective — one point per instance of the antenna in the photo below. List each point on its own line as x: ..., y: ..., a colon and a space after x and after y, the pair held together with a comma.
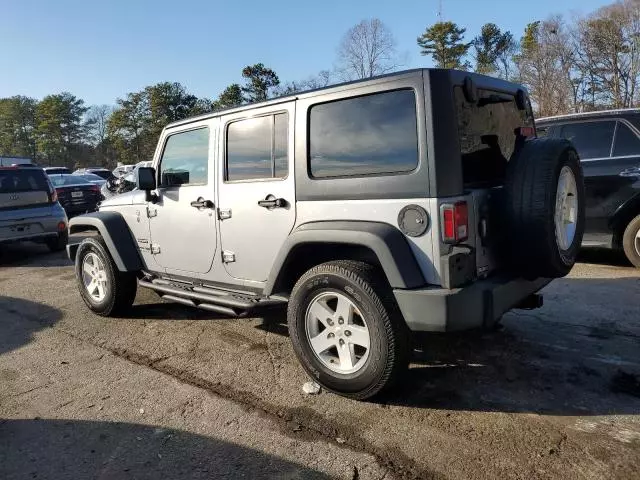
x: 439, y: 10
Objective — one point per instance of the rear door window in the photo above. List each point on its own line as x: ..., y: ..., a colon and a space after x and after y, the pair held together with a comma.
x: 488, y: 135
x: 591, y: 139
x: 627, y: 142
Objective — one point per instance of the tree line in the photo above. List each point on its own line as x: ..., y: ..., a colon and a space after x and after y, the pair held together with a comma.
x: 568, y: 65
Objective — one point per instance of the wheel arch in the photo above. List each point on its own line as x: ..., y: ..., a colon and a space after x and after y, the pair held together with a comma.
x: 113, y: 229
x: 317, y: 242
x: 623, y: 215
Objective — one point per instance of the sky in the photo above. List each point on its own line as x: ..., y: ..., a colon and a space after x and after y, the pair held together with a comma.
x: 101, y: 50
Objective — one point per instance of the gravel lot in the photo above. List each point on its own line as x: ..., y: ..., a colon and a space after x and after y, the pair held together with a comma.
x: 181, y: 393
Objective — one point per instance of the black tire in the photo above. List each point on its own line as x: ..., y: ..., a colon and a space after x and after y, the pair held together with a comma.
x: 630, y: 242
x: 58, y: 243
x: 530, y: 202
x: 120, y: 288
x: 367, y: 288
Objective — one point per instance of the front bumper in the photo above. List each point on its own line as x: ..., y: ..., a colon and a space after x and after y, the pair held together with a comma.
x: 479, y: 304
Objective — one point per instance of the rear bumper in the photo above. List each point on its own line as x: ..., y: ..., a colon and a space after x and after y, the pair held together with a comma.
x: 477, y: 305
x: 31, y: 227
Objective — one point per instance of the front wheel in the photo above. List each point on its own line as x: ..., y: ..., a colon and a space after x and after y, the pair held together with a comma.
x: 346, y: 329
x: 106, y: 290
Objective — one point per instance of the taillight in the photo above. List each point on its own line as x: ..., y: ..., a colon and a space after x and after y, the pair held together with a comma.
x: 454, y: 218
x: 53, y: 193
x: 95, y: 188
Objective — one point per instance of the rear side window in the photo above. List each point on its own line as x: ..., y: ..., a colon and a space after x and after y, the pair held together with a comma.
x: 591, y: 139
x: 185, y: 160
x: 627, y: 142
x: 487, y: 131
x: 370, y: 135
x: 16, y: 181
x: 257, y: 148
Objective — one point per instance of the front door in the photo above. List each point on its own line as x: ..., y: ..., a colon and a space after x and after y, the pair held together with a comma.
x: 182, y: 221
x: 257, y: 189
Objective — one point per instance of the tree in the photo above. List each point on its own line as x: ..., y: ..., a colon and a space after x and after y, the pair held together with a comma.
x: 321, y: 80
x: 17, y: 126
x: 230, y: 97
x: 493, y: 50
x: 135, y: 125
x: 59, y: 128
x: 366, y: 50
x: 444, y: 41
x: 259, y: 80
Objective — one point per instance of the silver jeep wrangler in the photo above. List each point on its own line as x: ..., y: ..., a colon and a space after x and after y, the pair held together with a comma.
x: 417, y: 201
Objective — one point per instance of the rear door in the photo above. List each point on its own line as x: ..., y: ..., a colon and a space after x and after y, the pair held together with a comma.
x: 256, y: 189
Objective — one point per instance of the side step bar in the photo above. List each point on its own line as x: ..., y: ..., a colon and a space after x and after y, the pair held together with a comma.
x: 219, y: 301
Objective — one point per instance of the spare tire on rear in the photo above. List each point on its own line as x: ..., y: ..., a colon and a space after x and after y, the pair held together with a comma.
x: 544, y: 208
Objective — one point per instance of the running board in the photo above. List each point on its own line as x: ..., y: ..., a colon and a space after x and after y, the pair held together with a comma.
x: 220, y: 301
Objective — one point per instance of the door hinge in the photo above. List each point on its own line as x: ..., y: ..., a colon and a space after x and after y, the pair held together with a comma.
x: 152, y: 212
x: 155, y: 248
x: 224, y: 214
x: 228, y: 257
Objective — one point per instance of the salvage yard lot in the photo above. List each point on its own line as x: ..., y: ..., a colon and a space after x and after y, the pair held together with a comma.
x: 554, y: 394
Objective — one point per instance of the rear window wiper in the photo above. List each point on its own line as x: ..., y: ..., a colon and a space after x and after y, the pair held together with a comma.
x: 491, y: 99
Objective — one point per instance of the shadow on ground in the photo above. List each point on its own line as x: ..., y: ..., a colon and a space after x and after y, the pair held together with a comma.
x: 60, y: 449
x: 603, y: 256
x: 20, y: 318
x: 578, y: 355
x: 29, y: 254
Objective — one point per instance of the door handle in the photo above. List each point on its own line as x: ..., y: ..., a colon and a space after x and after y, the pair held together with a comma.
x: 271, y: 202
x: 202, y: 203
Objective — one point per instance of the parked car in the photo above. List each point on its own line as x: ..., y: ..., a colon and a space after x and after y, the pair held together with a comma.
x: 93, y: 178
x: 122, y: 170
x: 56, y: 170
x: 75, y: 194
x: 29, y: 208
x: 414, y: 202
x: 608, y: 143
x: 101, y: 172
x: 124, y: 183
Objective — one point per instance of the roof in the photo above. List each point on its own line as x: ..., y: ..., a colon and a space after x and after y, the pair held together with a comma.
x: 287, y: 98
x: 594, y: 114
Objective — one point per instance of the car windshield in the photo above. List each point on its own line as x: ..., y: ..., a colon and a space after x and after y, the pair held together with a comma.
x: 92, y: 177
x: 104, y: 174
x: 67, y: 180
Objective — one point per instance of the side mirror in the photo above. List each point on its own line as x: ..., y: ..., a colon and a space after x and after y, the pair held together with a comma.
x: 146, y: 179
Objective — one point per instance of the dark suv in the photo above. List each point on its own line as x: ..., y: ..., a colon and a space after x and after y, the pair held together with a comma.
x: 608, y: 143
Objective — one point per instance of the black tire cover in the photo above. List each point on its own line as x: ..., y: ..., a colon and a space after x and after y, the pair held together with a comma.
x: 530, y: 201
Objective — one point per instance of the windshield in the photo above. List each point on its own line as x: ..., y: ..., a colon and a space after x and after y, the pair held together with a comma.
x: 67, y: 180
x: 104, y: 174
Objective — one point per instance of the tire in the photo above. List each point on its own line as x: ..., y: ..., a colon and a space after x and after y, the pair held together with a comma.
x: 119, y: 289
x: 631, y: 242
x: 373, y: 305
x: 59, y: 243
x: 537, y: 247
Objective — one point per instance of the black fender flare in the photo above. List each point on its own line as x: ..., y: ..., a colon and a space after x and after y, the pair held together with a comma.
x: 387, y: 242
x: 113, y: 229
x: 624, y: 214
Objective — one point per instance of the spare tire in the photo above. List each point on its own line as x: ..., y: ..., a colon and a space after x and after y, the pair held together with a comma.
x: 544, y: 203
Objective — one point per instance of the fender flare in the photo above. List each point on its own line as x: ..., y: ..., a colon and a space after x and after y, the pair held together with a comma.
x: 115, y: 232
x: 387, y: 242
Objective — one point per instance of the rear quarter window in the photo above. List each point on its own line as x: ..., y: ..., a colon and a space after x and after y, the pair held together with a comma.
x: 488, y: 136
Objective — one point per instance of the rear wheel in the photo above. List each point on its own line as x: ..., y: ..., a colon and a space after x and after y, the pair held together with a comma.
x: 544, y: 208
x: 106, y: 290
x: 631, y: 241
x: 59, y: 242
x: 346, y: 329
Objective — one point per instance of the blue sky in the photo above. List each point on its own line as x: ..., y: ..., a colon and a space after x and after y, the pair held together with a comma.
x: 100, y: 50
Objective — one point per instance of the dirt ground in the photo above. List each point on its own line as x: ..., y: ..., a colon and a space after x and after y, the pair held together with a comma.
x: 173, y: 392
